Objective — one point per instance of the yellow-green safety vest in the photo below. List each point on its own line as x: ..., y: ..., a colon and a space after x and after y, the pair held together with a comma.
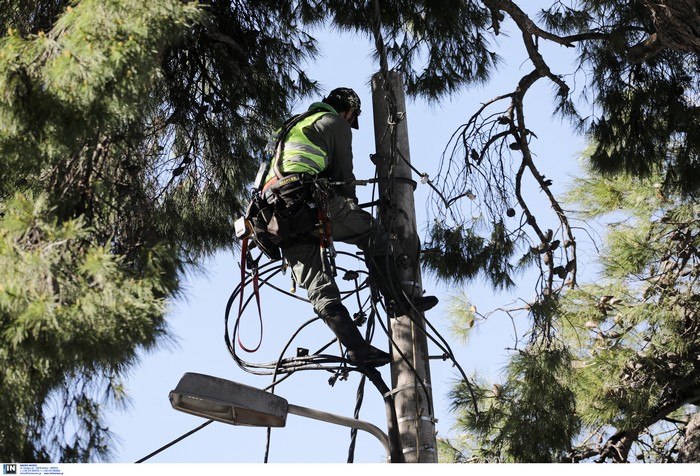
x: 300, y: 155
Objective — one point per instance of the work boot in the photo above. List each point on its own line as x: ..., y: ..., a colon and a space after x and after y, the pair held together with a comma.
x: 424, y: 303
x: 360, y: 352
x: 387, y: 280
x: 403, y: 306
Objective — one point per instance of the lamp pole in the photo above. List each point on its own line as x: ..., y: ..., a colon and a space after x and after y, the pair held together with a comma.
x: 410, y: 374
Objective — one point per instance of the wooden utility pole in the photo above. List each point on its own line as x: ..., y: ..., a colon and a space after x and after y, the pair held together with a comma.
x: 411, y: 387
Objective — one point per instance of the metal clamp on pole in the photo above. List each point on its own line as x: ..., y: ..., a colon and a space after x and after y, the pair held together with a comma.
x: 427, y: 449
x: 404, y: 180
x: 423, y: 418
x: 412, y: 283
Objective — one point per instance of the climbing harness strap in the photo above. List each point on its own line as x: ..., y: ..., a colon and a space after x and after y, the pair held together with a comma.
x: 256, y: 292
x: 326, y: 242
x: 325, y: 233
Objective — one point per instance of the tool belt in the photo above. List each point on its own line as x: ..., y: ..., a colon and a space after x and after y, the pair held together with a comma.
x: 294, y: 210
x: 284, y: 210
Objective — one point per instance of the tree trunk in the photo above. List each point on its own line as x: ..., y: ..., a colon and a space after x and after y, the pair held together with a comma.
x: 677, y: 24
x: 690, y: 447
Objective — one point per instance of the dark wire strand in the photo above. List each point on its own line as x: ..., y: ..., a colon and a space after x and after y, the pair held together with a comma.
x: 262, y: 271
x: 280, y: 360
x: 279, y: 364
x: 405, y: 359
x: 175, y: 441
x: 274, y: 377
x: 360, y: 396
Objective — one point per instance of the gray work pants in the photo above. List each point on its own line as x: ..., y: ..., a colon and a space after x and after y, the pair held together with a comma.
x: 350, y: 224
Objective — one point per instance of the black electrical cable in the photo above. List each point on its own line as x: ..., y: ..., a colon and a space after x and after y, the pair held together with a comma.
x: 314, y: 361
x: 343, y: 367
x: 360, y: 396
x: 359, y: 399
x: 262, y: 271
x: 280, y: 359
x: 175, y: 441
x: 407, y: 362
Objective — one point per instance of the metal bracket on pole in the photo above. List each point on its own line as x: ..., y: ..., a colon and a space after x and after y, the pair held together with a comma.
x: 404, y: 180
x: 363, y: 182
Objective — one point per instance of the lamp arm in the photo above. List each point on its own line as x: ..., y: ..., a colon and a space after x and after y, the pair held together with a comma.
x: 344, y: 421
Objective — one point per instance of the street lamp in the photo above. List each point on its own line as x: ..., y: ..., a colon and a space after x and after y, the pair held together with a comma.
x: 237, y: 404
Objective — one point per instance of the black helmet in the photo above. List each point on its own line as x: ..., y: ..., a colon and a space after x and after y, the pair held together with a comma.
x: 344, y: 99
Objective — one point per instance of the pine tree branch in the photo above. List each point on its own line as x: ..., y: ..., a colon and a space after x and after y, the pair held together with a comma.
x: 217, y: 35
x: 645, y: 50
x: 545, y: 238
x: 529, y: 27
x: 618, y: 446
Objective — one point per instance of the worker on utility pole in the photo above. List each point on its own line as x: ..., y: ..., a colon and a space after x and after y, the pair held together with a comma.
x: 311, y: 180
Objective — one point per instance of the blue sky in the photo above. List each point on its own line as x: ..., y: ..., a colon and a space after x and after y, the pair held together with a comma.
x: 197, y: 320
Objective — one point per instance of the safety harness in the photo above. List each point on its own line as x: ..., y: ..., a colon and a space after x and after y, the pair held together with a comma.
x: 282, y: 209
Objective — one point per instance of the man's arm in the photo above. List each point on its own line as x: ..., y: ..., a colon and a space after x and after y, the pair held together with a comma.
x: 337, y: 135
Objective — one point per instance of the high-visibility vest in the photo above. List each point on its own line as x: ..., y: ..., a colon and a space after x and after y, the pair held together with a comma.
x: 299, y: 154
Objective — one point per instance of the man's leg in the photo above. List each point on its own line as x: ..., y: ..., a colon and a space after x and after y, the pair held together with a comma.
x: 306, y: 262
x: 351, y: 224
